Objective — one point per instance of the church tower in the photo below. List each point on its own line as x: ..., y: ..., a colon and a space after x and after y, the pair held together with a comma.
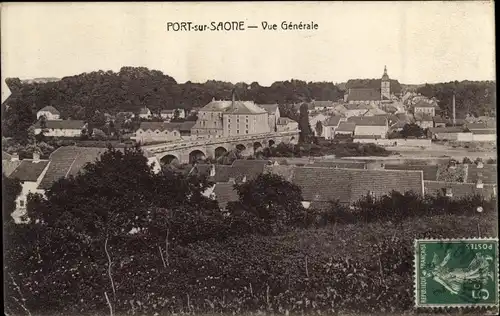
x: 385, y: 86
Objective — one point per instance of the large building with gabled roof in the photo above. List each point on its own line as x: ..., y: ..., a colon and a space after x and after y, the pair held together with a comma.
x: 221, y: 118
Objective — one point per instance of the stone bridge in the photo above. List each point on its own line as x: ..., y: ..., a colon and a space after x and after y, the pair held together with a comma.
x: 188, y: 150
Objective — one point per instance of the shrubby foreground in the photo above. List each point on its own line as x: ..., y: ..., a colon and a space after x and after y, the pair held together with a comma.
x: 266, y: 253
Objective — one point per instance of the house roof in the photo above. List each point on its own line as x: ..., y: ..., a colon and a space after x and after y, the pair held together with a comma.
x: 334, y: 164
x: 8, y: 166
x: 144, y: 110
x: 488, y: 173
x: 349, y: 185
x: 429, y: 171
x: 62, y: 124
x: 225, y: 193
x: 376, y: 112
x: 6, y: 155
x: 29, y: 170
x: 156, y: 126
x: 322, y: 104
x: 50, y: 109
x: 270, y: 108
x: 69, y: 160
x: 368, y: 120
x: 459, y: 189
x: 332, y: 121
x: 482, y: 125
x: 285, y: 121
x: 439, y: 119
x: 363, y: 94
x: 450, y: 129
x: 181, y: 126
x: 245, y: 107
x: 249, y: 168
x: 356, y: 107
x: 346, y: 127
x: 423, y: 104
x: 483, y: 131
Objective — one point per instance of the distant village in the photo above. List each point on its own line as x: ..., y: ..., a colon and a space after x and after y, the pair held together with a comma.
x: 366, y: 115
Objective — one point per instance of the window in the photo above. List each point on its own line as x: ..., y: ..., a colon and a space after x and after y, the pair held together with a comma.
x: 215, y: 123
x: 21, y: 203
x: 229, y: 126
x: 229, y: 120
x: 237, y: 120
x: 247, y: 131
x: 237, y: 131
x: 247, y: 126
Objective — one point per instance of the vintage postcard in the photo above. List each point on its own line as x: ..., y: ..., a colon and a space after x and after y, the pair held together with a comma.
x: 249, y: 158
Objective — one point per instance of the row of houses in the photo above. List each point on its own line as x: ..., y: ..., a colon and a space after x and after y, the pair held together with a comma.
x: 320, y: 182
x: 347, y: 182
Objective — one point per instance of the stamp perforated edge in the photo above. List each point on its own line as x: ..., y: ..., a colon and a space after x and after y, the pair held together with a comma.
x: 486, y: 307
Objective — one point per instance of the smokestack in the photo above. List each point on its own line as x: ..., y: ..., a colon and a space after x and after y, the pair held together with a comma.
x: 454, y: 117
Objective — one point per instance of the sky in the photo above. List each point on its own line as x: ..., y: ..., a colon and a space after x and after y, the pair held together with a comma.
x: 420, y: 42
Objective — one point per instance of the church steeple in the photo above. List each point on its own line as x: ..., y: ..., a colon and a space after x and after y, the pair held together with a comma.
x: 385, y: 76
x: 385, y: 86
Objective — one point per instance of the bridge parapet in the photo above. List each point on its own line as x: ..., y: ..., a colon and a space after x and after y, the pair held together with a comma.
x: 159, y: 148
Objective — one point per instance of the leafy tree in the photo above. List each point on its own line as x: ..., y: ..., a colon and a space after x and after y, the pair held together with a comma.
x: 306, y: 133
x: 271, y: 198
x: 412, y: 130
x: 319, y: 128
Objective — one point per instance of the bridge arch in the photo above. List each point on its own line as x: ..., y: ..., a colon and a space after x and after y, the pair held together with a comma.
x: 241, y: 147
x: 257, y: 146
x: 197, y: 155
x: 220, y: 151
x: 169, y: 159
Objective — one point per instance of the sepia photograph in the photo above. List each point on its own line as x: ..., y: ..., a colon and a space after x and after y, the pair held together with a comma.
x: 249, y: 158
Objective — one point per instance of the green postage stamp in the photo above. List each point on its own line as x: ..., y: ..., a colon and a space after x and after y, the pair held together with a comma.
x: 456, y: 272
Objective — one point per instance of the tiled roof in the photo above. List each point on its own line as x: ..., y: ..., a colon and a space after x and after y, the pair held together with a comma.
x: 62, y: 124
x: 29, y: 170
x: 483, y: 125
x: 430, y: 171
x: 488, y: 173
x: 459, y: 189
x: 483, y: 131
x: 332, y: 121
x: 450, y: 129
x: 284, y: 171
x: 154, y: 126
x: 349, y: 185
x: 270, y: 108
x: 6, y: 155
x: 285, y: 121
x: 438, y: 119
x: 423, y: 104
x: 245, y: 107
x: 322, y: 103
x: 363, y: 94
x: 368, y: 120
x: 180, y: 126
x: 69, y: 160
x: 342, y: 165
x: 8, y: 166
x: 250, y: 168
x: 50, y: 109
x: 346, y: 127
x: 356, y: 107
x: 225, y: 193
